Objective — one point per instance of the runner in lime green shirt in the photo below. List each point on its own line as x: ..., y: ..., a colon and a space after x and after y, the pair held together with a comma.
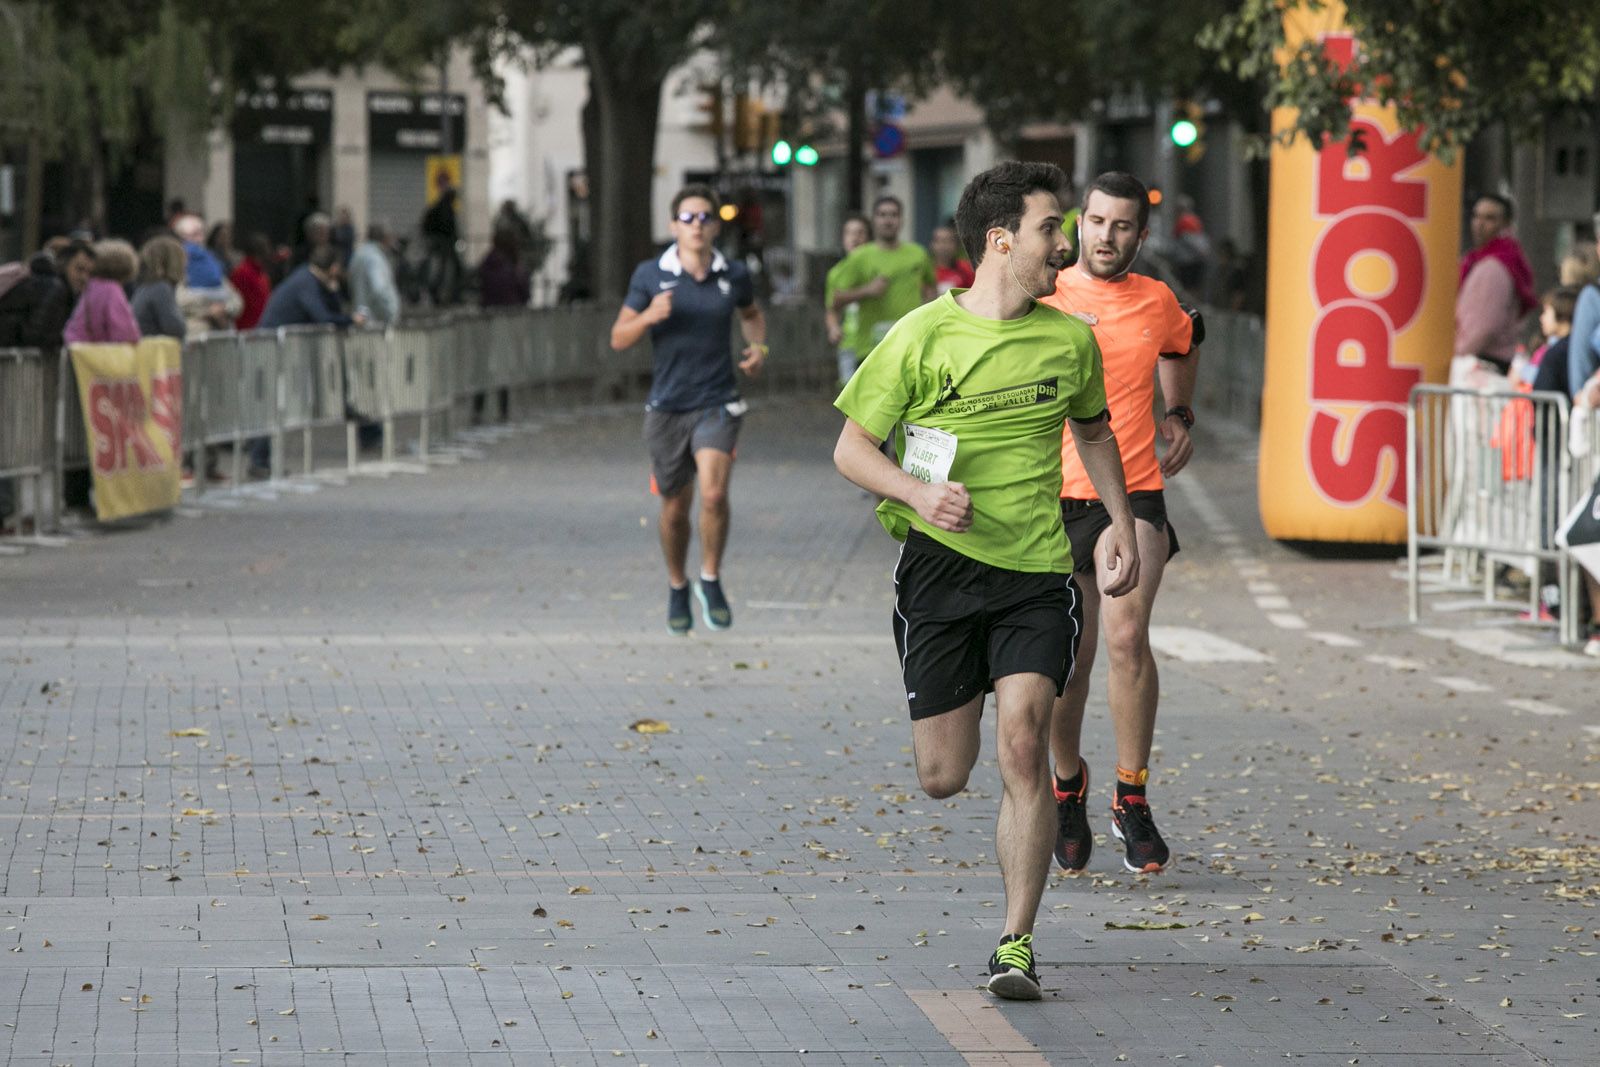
x: 886, y: 277
x: 1001, y: 390
x: 841, y: 325
x: 981, y: 383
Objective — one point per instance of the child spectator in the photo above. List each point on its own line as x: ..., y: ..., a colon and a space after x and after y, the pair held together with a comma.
x: 1547, y: 369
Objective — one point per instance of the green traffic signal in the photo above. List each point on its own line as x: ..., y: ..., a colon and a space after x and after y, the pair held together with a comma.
x: 806, y: 156
x: 1184, y: 133
x: 782, y: 153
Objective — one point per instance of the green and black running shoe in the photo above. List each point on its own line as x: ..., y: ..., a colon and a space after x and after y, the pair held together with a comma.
x: 1011, y: 972
x: 679, y: 619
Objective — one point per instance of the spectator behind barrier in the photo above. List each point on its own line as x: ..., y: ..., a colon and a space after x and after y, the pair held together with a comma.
x: 208, y: 301
x: 1583, y: 357
x: 103, y: 315
x: 309, y: 296
x: 155, y: 302
x: 373, y: 291
x: 253, y: 279
x: 501, y: 279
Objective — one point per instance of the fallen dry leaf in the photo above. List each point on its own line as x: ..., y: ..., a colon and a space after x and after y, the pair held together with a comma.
x: 650, y: 726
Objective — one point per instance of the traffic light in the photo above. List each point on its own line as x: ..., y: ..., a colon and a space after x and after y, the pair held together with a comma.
x: 806, y: 156
x: 1188, y: 131
x: 710, y: 106
x: 782, y: 152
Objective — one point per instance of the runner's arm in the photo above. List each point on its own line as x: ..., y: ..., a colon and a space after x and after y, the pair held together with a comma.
x: 753, y: 325
x: 946, y: 505
x: 1177, y: 374
x: 1102, y: 461
x: 843, y: 298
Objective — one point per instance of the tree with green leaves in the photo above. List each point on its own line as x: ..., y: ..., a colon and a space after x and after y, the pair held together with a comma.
x: 1451, y: 68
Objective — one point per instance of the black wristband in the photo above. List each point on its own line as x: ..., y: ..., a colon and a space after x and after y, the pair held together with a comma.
x: 1185, y: 414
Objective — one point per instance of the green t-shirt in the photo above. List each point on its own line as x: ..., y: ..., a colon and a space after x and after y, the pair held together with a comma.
x: 850, y: 317
x: 907, y: 266
x: 1004, y: 389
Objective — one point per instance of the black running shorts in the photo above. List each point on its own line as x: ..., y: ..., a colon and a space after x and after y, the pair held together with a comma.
x: 1086, y: 520
x: 960, y: 624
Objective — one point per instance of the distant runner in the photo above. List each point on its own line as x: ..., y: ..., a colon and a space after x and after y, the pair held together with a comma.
x: 686, y: 301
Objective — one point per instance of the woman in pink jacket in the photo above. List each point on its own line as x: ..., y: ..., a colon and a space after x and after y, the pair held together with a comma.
x: 103, y: 314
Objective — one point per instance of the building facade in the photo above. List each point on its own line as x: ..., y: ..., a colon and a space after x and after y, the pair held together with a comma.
x: 366, y: 141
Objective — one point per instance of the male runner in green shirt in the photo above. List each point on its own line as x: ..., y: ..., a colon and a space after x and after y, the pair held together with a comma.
x: 981, y: 383
x: 886, y: 277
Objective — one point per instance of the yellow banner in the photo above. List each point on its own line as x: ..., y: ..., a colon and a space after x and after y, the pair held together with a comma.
x: 132, y: 400
x: 442, y: 172
x: 1362, y: 258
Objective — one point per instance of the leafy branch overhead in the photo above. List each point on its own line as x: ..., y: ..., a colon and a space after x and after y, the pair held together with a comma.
x: 1451, y: 68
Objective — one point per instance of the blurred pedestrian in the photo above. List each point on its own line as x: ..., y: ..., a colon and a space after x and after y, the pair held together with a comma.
x: 950, y: 270
x: 103, y: 315
x: 208, y: 300
x: 1495, y: 294
x: 441, y: 232
x: 221, y: 243
x: 33, y: 312
x: 343, y: 234
x: 309, y: 296
x: 502, y: 283
x: 843, y: 325
x: 316, y: 232
x: 372, y: 285
x: 1583, y: 357
x: 512, y: 220
x: 163, y: 265
x: 501, y: 280
x: 253, y: 280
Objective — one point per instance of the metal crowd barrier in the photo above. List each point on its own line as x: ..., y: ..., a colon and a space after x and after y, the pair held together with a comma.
x: 25, y: 453
x: 1489, y: 478
x: 274, y: 385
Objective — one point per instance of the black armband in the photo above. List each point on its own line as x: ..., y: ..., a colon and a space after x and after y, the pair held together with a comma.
x: 1105, y: 413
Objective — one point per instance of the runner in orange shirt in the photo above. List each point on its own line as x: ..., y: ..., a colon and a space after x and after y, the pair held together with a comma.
x: 1144, y: 333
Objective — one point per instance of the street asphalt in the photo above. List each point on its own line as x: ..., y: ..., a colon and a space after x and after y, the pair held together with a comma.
x: 407, y: 770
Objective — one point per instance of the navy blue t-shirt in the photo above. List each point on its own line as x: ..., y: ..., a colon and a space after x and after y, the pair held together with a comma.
x: 693, y: 361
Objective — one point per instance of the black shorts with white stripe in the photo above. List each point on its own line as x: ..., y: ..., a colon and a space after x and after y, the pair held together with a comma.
x: 959, y: 624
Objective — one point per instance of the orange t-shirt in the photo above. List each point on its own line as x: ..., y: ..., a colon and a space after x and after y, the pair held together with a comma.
x: 1135, y: 319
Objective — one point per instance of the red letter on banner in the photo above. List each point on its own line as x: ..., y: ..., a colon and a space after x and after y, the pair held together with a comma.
x: 1377, y: 431
x: 1371, y: 380
x: 1372, y: 179
x: 1372, y: 231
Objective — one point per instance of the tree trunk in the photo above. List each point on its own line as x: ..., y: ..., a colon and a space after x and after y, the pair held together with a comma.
x: 855, y: 103
x: 621, y: 162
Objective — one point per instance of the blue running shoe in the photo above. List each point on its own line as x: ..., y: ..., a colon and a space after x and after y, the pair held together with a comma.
x: 713, y: 605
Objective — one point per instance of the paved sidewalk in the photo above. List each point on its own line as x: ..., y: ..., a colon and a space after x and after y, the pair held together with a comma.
x: 348, y: 777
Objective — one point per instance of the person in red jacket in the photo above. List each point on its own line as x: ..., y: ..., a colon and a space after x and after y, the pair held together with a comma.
x: 250, y: 277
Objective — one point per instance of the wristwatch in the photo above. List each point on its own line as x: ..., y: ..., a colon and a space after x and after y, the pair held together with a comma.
x: 1184, y: 412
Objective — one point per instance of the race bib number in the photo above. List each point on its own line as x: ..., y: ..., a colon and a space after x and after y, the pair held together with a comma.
x: 929, y: 453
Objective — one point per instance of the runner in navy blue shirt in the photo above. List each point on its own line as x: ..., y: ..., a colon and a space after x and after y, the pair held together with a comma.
x: 686, y: 300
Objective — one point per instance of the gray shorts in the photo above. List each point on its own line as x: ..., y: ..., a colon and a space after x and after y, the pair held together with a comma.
x: 673, y: 437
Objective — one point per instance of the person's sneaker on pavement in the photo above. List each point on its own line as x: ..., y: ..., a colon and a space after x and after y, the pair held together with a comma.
x: 713, y: 604
x: 1074, y: 839
x: 1135, y: 827
x: 1011, y: 973
x: 680, y: 620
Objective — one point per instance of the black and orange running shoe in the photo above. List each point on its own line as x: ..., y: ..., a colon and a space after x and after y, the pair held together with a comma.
x: 1135, y: 827
x: 1074, y: 839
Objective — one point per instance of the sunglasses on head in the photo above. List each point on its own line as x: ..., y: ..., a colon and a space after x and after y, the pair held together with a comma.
x: 687, y: 217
